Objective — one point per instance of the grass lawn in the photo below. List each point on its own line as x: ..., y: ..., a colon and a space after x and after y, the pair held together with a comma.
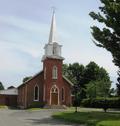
x: 90, y: 118
x: 3, y: 106
x: 35, y: 109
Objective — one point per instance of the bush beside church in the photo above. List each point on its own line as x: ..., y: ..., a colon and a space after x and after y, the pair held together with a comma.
x: 101, y: 103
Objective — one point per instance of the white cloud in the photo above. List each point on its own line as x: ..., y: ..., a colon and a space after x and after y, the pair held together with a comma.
x: 24, y: 24
x: 24, y: 40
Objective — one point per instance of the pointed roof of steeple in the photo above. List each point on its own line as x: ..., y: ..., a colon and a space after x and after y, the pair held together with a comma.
x: 53, y: 33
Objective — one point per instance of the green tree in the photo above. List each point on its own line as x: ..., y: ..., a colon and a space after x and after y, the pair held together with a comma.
x: 65, y: 70
x: 99, y: 88
x: 75, y: 72
x: 91, y: 89
x: 26, y: 78
x: 1, y: 86
x: 82, y: 75
x: 118, y: 85
x: 91, y: 72
x: 108, y: 37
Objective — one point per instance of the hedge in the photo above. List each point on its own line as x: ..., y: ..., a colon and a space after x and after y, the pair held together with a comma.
x: 101, y: 103
x: 36, y: 104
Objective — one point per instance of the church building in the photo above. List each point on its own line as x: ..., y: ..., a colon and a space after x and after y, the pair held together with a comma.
x: 48, y: 87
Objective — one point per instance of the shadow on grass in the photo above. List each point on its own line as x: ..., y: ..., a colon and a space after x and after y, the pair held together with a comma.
x: 89, y: 118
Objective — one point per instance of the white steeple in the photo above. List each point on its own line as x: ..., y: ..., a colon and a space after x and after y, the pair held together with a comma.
x: 53, y: 33
x: 52, y: 48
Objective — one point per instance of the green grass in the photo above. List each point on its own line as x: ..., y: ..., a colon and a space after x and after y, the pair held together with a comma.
x: 3, y: 106
x: 90, y: 118
x: 109, y: 123
x: 34, y: 109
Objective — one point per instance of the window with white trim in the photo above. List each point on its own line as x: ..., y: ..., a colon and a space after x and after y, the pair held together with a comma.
x: 36, y: 93
x: 54, y: 72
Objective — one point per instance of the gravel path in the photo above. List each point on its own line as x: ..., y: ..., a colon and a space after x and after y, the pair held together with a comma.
x: 30, y: 118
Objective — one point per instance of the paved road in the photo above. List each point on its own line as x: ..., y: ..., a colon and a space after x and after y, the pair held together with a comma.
x: 30, y: 118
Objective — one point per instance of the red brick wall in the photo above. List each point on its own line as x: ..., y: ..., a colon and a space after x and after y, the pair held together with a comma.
x: 30, y: 89
x: 26, y: 92
x: 49, y: 81
x: 21, y: 96
x: 9, y: 100
x: 68, y: 99
x: 2, y: 100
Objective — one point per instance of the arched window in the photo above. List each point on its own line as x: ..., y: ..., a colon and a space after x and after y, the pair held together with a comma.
x: 54, y: 72
x: 63, y: 94
x: 36, y: 93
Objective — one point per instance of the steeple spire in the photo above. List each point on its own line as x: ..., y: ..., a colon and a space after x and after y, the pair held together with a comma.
x: 52, y: 48
x: 53, y: 33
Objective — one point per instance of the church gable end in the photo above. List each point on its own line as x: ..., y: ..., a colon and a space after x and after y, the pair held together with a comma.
x: 48, y: 87
x: 26, y: 95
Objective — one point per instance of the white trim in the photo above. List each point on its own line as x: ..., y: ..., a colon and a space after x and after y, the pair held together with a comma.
x: 68, y: 80
x: 34, y: 93
x: 51, y: 92
x: 63, y: 94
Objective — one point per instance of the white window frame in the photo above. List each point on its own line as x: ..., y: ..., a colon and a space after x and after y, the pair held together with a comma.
x: 38, y: 93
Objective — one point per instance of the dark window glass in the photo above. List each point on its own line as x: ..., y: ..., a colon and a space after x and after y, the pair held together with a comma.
x: 36, y: 93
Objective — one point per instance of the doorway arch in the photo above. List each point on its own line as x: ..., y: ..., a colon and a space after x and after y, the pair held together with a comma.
x: 54, y: 95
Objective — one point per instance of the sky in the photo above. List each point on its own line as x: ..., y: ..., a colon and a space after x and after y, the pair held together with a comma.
x: 24, y: 31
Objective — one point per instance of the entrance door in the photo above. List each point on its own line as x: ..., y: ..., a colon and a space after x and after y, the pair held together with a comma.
x: 54, y: 95
x: 54, y: 98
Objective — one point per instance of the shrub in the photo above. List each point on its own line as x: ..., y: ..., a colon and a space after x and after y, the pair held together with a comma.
x: 37, y: 105
x: 101, y: 103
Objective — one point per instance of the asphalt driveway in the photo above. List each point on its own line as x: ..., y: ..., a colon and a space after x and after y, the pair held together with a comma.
x: 10, y: 117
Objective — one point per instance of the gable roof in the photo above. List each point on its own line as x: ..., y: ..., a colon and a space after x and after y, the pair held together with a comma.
x: 68, y: 80
x: 40, y: 73
x: 30, y: 79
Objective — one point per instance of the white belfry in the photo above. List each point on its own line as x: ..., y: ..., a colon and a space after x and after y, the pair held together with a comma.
x: 53, y: 32
x: 52, y: 48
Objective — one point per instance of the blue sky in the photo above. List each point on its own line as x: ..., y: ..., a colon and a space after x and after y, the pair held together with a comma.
x: 24, y: 30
